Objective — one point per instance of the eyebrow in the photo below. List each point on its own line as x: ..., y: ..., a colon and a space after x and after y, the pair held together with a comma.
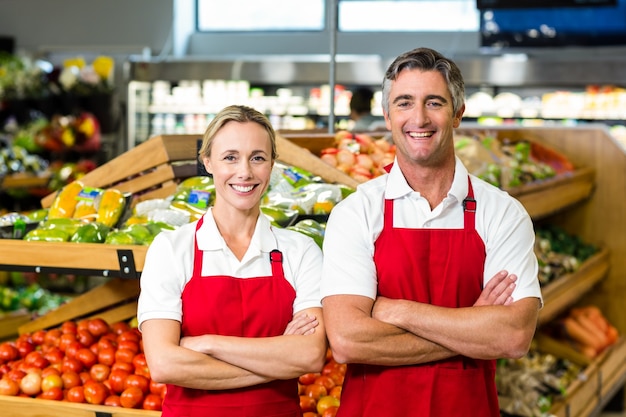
x: 428, y: 97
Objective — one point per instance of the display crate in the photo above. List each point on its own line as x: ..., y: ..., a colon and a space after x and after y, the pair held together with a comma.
x: 29, y: 407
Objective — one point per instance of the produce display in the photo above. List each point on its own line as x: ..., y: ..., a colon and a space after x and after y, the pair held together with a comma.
x: 87, y: 361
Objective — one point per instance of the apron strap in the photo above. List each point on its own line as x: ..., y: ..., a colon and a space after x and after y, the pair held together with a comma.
x: 469, y: 207
x: 276, y: 258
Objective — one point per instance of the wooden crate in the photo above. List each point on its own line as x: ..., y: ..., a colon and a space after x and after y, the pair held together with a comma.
x: 30, y: 407
x: 582, y: 396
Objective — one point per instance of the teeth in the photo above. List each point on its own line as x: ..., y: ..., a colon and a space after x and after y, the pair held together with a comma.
x: 242, y: 189
x: 420, y: 135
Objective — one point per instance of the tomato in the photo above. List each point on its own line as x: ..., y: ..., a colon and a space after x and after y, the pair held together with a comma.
x: 54, y: 355
x: 84, y: 377
x: 336, y: 392
x: 106, y: 356
x: 124, y: 355
x: 113, y: 400
x: 158, y: 388
x: 24, y: 347
x: 326, y: 381
x: 38, y: 337
x: 117, y: 380
x: 337, y: 377
x: 75, y: 394
x: 100, y: 372
x: 8, y: 352
x: 15, y: 374
x: 308, y: 379
x: 36, y: 359
x: 120, y: 327
x: 72, y: 348
x: 310, y: 414
x: 326, y: 402
x: 152, y: 402
x: 86, y: 357
x: 131, y: 335
x: 126, y: 366
x: 316, y: 391
x: 138, y: 381
x: 141, y: 365
x: 71, y: 364
x: 68, y: 327
x: 95, y: 392
x: 9, y: 386
x: 31, y: 384
x: 330, y: 412
x: 106, y: 343
x: 70, y: 379
x: 52, y: 337
x: 307, y: 403
x: 85, y: 337
x: 98, y: 327
x: 128, y: 344
x: 131, y: 397
x: 53, y: 393
x: 51, y: 381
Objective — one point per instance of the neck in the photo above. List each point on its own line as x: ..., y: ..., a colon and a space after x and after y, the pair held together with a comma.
x: 433, y: 183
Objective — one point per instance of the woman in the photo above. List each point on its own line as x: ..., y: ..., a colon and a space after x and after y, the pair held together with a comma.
x: 229, y: 305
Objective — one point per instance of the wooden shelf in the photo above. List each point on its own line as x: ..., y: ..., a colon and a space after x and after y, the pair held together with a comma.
x: 567, y: 290
x: 23, y: 180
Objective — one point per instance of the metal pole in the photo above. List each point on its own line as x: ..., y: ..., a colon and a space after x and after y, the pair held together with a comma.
x: 332, y: 29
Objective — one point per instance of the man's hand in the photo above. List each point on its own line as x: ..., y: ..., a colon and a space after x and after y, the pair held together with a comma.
x: 302, y: 324
x: 498, y: 290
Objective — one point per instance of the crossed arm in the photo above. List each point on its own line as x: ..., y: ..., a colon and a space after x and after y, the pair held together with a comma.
x: 224, y: 362
x: 401, y: 332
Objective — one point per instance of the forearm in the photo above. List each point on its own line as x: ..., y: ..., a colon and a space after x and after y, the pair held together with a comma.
x: 356, y: 337
x: 482, y: 332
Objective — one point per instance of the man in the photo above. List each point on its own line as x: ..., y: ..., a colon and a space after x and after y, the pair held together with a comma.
x: 414, y: 297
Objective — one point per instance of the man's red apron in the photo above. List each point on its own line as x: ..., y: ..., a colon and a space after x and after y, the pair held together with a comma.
x: 443, y: 267
x: 251, y: 307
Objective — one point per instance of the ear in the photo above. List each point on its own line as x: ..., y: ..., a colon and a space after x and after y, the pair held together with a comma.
x: 387, y: 120
x: 458, y: 116
x: 207, y: 165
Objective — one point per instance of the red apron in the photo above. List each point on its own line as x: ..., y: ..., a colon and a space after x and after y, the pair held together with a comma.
x: 250, y: 307
x: 443, y: 267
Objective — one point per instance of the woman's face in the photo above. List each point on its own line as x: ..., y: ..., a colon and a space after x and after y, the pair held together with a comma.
x: 241, y: 164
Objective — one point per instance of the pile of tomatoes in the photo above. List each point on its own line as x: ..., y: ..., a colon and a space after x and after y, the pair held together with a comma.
x: 320, y: 393
x: 87, y: 361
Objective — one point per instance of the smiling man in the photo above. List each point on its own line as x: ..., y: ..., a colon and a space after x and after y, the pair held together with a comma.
x: 429, y: 272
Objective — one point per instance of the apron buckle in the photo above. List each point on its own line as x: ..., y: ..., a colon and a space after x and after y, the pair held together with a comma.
x: 469, y: 204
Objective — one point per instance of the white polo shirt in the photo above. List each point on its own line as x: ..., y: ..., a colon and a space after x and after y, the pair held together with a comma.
x: 356, y: 222
x: 169, y: 264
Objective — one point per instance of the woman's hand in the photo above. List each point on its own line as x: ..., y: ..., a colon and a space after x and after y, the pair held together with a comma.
x: 302, y: 324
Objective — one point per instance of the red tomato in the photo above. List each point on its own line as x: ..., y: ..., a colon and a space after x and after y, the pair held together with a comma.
x: 106, y: 343
x: 336, y: 392
x: 100, y: 372
x: 310, y: 414
x: 38, y: 337
x: 86, y: 357
x: 326, y: 381
x: 8, y: 352
x: 120, y: 327
x: 24, y: 347
x: 70, y: 379
x: 126, y: 366
x: 315, y: 391
x: 52, y: 337
x: 9, y: 386
x: 85, y: 337
x: 71, y: 364
x: 308, y: 379
x: 72, y: 348
x: 15, y: 375
x: 117, y: 380
x: 131, y: 397
x: 98, y: 327
x: 36, y: 359
x: 138, y: 381
x: 158, y: 388
x: 75, y: 394
x: 113, y: 400
x: 152, y: 402
x: 54, y: 355
x: 141, y: 365
x: 106, y: 356
x: 128, y: 344
x: 330, y: 412
x: 68, y: 327
x: 54, y: 393
x: 124, y: 355
x: 307, y: 403
x: 131, y: 335
x: 95, y: 392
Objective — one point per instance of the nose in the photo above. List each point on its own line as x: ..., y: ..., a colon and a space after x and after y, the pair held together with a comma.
x: 244, y: 170
x: 420, y: 115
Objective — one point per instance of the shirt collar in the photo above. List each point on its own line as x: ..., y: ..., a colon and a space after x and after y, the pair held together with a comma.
x: 209, y: 238
x: 398, y: 187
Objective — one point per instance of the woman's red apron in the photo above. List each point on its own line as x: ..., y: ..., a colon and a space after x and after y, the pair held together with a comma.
x: 443, y: 267
x: 250, y: 307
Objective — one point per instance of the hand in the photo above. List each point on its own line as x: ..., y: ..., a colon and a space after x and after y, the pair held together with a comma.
x: 498, y: 290
x: 302, y: 324
x: 196, y: 343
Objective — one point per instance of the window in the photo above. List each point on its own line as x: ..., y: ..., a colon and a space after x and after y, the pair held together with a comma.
x: 408, y: 16
x: 260, y: 15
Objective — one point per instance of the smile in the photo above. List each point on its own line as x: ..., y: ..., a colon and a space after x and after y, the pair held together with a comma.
x: 242, y: 189
x: 420, y: 135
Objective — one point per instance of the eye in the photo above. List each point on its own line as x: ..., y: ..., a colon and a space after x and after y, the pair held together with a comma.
x: 230, y: 158
x: 434, y: 104
x: 258, y: 158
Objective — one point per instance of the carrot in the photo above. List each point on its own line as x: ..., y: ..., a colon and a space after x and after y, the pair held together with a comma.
x: 580, y: 334
x: 593, y: 329
x: 594, y: 314
x: 612, y: 334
